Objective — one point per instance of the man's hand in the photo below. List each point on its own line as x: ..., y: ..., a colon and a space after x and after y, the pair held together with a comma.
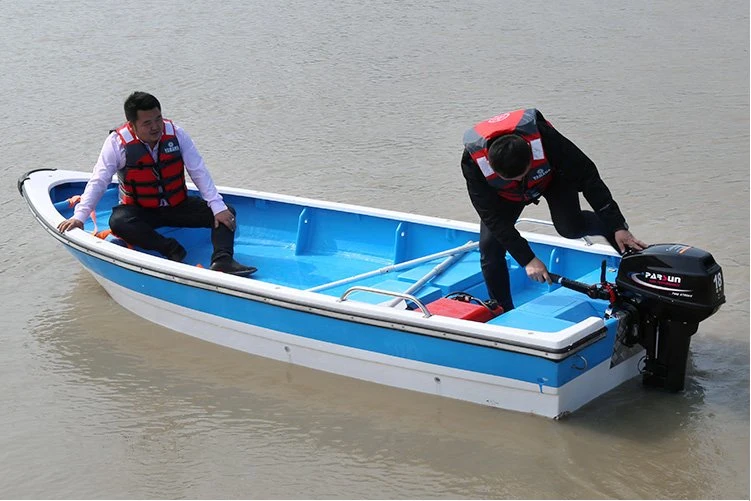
x: 69, y: 224
x: 226, y: 218
x: 537, y: 271
x: 625, y: 239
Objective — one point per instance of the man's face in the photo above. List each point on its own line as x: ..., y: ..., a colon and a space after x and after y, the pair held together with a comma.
x: 520, y: 176
x: 149, y: 126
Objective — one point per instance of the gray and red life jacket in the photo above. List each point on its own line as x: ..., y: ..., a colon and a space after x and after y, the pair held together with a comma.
x: 145, y: 182
x: 522, y: 123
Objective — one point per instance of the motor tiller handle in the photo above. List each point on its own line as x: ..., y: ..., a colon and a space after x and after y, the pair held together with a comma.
x: 590, y: 290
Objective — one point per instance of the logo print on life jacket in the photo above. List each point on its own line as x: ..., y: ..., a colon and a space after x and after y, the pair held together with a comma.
x: 171, y: 147
x: 499, y: 118
x: 540, y: 173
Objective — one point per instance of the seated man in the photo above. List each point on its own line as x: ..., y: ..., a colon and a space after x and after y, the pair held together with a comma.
x: 150, y: 156
x: 509, y: 162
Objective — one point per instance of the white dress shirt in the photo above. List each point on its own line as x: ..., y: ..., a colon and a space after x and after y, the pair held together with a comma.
x: 112, y: 159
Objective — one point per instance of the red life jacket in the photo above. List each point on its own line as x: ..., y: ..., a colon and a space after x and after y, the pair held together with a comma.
x: 145, y: 182
x: 522, y: 123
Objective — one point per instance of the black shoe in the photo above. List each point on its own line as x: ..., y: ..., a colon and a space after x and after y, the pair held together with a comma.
x: 177, y: 252
x: 232, y: 267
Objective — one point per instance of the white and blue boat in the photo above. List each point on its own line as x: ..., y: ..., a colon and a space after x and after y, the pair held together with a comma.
x: 399, y: 299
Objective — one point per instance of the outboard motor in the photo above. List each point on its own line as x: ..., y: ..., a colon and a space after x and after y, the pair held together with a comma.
x: 672, y: 288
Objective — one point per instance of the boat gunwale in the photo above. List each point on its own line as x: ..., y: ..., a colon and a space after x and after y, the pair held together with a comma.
x: 550, y: 345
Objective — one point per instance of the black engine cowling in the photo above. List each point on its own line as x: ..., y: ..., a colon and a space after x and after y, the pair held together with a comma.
x: 673, y: 287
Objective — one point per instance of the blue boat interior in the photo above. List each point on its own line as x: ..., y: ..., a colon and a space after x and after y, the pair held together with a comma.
x: 306, y: 248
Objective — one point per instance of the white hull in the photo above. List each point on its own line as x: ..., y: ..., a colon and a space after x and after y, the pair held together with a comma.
x: 397, y: 372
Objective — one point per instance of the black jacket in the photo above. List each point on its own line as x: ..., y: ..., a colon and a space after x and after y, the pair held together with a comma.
x: 570, y: 165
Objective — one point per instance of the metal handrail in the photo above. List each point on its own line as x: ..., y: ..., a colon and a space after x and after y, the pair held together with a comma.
x: 398, y: 266
x: 547, y: 223
x: 402, y: 295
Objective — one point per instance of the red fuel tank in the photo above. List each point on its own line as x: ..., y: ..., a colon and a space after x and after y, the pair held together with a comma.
x: 463, y: 309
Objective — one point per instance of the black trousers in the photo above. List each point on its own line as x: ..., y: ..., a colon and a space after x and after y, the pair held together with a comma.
x: 136, y: 225
x: 570, y: 221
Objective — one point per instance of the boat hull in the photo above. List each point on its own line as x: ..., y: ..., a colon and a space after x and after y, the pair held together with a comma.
x: 552, y: 354
x: 393, y: 359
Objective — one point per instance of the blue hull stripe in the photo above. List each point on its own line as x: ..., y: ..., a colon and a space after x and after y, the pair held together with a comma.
x: 411, y: 346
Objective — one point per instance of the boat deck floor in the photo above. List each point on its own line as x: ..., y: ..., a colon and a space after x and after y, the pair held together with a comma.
x: 538, y: 306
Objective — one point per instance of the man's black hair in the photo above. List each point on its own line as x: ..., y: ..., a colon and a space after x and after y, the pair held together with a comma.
x: 509, y: 156
x: 139, y: 101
